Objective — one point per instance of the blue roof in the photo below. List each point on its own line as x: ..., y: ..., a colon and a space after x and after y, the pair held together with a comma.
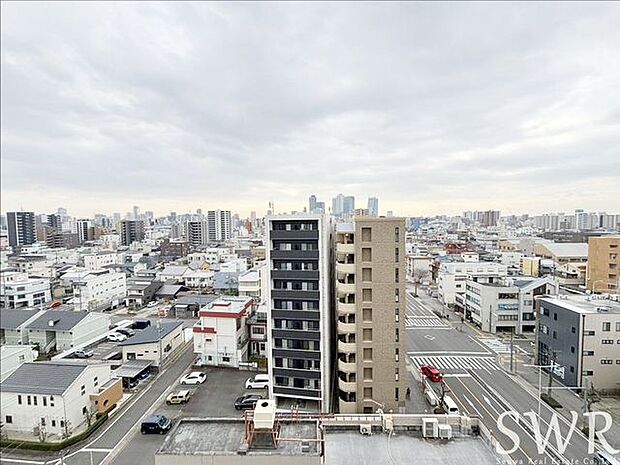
x: 152, y: 333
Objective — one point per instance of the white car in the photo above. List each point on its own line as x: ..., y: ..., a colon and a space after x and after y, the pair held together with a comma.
x: 260, y: 381
x: 151, y: 304
x: 195, y: 377
x: 116, y: 337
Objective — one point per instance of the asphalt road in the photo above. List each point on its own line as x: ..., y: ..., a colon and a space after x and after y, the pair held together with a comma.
x: 476, y: 381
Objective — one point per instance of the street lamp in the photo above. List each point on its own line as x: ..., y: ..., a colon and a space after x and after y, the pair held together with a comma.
x: 540, y: 367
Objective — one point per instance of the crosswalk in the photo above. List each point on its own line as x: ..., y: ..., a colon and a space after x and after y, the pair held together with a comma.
x: 424, y: 322
x: 456, y: 362
x: 496, y: 345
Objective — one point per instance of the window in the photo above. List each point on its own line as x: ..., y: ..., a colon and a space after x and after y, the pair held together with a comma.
x: 367, y: 374
x: 8, y: 419
x: 555, y: 316
x: 366, y: 254
x: 606, y: 361
x: 397, y: 234
x: 367, y: 314
x: 28, y: 399
x: 44, y: 401
x: 51, y: 401
x: 396, y: 295
x: 367, y: 393
x: 606, y: 326
x: 19, y: 399
x: 396, y: 314
x: 396, y: 354
x: 396, y: 276
x: 607, y: 341
x: 83, y: 390
x: 226, y: 359
x: 573, y: 330
x: 53, y: 423
x: 96, y: 381
x: 618, y: 326
x: 367, y: 355
x: 396, y: 254
x: 397, y: 335
x: 367, y: 335
x: 366, y: 234
x: 366, y: 274
x: 572, y: 350
x: 367, y: 295
x: 396, y: 394
x: 396, y: 373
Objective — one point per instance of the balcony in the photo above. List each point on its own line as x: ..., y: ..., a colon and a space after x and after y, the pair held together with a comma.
x: 347, y: 347
x: 346, y: 328
x: 347, y: 367
x: 345, y: 309
x: 344, y: 289
x: 347, y: 386
x: 347, y: 407
x: 345, y: 268
x: 345, y: 248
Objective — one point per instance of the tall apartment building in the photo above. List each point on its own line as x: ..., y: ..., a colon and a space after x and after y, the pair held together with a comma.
x: 22, y: 228
x: 373, y: 206
x: 84, y: 230
x: 219, y: 225
x: 131, y: 231
x: 579, y: 335
x: 299, y: 323
x: 603, y: 272
x: 196, y: 233
x: 370, y: 306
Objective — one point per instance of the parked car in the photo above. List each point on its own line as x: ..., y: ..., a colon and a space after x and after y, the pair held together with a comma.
x: 144, y: 375
x: 126, y: 331
x: 247, y: 401
x: 178, y: 397
x: 116, y: 337
x: 141, y: 324
x: 129, y: 383
x: 260, y: 381
x: 195, y: 377
x: 431, y: 373
x: 156, y: 424
x: 83, y: 353
x: 152, y: 303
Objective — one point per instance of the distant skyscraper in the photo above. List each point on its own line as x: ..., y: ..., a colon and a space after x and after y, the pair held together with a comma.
x: 320, y: 207
x: 54, y: 221
x: 196, y: 233
x: 373, y: 206
x: 348, y: 205
x: 22, y: 229
x: 389, y: 214
x: 312, y: 204
x: 136, y: 212
x: 338, y: 205
x: 83, y: 230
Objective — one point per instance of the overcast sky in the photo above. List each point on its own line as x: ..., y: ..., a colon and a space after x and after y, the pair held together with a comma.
x: 432, y: 107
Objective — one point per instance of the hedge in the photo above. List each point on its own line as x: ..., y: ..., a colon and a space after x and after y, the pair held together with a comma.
x: 54, y: 446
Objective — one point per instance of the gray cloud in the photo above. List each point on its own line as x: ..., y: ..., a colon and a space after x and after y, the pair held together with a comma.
x: 432, y: 106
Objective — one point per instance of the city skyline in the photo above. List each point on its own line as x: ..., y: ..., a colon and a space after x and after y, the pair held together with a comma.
x: 509, y: 119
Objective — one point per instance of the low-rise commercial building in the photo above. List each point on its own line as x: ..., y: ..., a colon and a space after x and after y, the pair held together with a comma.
x: 221, y: 335
x: 580, y: 336
x: 156, y: 343
x: 18, y: 290
x: 99, y: 290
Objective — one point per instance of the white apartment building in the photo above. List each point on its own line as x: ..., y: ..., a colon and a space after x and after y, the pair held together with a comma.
x: 156, y: 343
x: 66, y: 329
x: 18, y: 290
x: 253, y: 283
x: 97, y: 291
x: 13, y: 325
x: 452, y: 276
x: 219, y: 225
x: 13, y: 356
x: 98, y: 260
x: 221, y: 335
x: 198, y: 279
x: 54, y: 396
x: 506, y: 304
x: 237, y: 265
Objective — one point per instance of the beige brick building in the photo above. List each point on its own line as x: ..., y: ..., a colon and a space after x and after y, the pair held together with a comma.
x: 370, y: 308
x: 604, y: 264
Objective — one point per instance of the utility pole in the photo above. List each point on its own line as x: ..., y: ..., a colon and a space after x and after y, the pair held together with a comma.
x: 511, y: 350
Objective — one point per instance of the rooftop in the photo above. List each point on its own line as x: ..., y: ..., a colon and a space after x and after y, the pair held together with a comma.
x: 152, y: 333
x: 43, y: 377
x: 229, y: 304
x: 12, y: 319
x: 567, y: 249
x: 198, y: 436
x: 62, y: 320
x: 585, y: 304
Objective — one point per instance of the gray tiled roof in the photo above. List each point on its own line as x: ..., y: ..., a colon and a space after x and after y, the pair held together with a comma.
x: 42, y: 378
x: 150, y: 334
x: 12, y: 319
x: 63, y: 321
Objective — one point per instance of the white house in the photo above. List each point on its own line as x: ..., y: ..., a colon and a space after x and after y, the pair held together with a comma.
x: 173, y: 273
x: 156, y: 343
x: 18, y: 290
x: 12, y: 357
x: 236, y: 265
x: 98, y: 260
x: 198, y: 279
x: 99, y: 290
x: 54, y: 397
x: 13, y: 325
x: 65, y: 330
x: 221, y: 335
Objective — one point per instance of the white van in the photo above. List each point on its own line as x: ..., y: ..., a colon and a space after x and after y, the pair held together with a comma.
x: 260, y: 381
x: 450, y: 406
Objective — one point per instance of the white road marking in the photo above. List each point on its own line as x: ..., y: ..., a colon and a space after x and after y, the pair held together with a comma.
x: 456, y: 362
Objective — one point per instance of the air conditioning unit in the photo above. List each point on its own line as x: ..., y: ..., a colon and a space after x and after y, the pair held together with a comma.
x: 429, y: 427
x: 444, y: 432
x: 366, y: 429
